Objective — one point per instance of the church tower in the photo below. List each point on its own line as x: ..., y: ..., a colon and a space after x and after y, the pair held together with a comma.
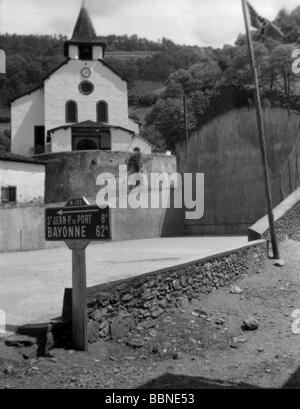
x: 84, y: 44
x: 81, y: 105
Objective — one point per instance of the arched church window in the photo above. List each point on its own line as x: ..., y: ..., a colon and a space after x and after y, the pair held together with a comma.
x: 102, y: 111
x: 71, y: 112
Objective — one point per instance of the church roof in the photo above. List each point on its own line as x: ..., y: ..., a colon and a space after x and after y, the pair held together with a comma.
x: 84, y: 30
x: 10, y: 157
x: 90, y: 124
x: 98, y: 126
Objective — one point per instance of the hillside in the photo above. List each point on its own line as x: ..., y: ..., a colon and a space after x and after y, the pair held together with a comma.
x: 160, y: 73
x: 146, y: 65
x: 30, y: 58
x: 127, y: 55
x: 223, y: 81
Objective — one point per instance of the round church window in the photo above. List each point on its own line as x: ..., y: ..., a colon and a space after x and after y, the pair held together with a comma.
x: 86, y: 87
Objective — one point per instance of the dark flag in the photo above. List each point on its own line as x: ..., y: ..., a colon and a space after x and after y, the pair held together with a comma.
x: 265, y: 27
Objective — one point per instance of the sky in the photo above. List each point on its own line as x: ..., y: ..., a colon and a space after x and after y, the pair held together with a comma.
x: 194, y: 22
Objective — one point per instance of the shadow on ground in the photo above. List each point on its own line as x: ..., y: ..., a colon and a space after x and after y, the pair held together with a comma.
x: 170, y: 381
x: 294, y: 381
x: 46, y: 336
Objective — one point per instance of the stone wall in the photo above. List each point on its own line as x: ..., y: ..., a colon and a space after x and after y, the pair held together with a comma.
x: 23, y: 229
x: 288, y: 227
x: 71, y: 174
x: 287, y: 221
x: 118, y: 305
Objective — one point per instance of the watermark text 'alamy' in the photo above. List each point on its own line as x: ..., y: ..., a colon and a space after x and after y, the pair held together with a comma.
x: 142, y: 191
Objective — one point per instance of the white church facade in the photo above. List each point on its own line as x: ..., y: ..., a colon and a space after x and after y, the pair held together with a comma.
x: 81, y: 105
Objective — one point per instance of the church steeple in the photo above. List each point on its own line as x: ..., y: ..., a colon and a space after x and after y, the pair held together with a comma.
x: 84, y: 29
x: 84, y: 44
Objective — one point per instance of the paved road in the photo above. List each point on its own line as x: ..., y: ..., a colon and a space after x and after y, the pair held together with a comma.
x: 33, y: 283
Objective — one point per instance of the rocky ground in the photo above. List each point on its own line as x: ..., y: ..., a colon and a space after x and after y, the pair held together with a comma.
x: 199, y: 345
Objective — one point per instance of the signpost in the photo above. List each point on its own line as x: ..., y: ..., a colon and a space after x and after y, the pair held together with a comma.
x: 78, y: 223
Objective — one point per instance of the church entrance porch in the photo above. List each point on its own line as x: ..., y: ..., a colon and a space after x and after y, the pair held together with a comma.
x: 84, y: 139
x: 93, y: 136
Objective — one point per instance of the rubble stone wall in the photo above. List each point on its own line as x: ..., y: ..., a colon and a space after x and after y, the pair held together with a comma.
x: 288, y: 227
x: 287, y: 221
x: 118, y: 305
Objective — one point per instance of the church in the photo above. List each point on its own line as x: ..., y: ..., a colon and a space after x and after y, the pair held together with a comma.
x: 81, y: 105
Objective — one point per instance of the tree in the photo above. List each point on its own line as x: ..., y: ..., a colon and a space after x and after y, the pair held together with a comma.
x: 281, y: 63
x: 289, y: 24
x: 152, y: 134
x: 5, y: 140
x: 167, y: 116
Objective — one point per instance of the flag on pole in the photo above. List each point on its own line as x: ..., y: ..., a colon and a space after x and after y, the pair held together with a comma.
x: 261, y: 24
x: 265, y: 27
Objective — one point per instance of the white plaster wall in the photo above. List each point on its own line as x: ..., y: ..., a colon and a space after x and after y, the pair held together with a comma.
x: 97, y: 52
x: 120, y: 140
x: 133, y: 126
x: 63, y: 86
x: 28, y: 178
x: 73, y: 52
x: 23, y: 229
x: 138, y: 142
x: 26, y: 113
x: 61, y: 140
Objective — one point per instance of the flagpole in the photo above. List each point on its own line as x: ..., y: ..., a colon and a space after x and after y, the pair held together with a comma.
x: 261, y: 135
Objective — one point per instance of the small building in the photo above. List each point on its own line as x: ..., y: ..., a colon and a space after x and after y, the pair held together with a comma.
x: 81, y: 105
x: 22, y: 180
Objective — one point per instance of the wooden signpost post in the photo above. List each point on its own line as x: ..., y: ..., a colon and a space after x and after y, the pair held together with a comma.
x: 77, y: 224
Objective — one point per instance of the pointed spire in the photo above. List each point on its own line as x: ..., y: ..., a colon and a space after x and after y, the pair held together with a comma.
x: 84, y: 30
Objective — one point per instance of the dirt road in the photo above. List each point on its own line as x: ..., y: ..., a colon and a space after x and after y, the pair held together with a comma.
x: 200, y: 345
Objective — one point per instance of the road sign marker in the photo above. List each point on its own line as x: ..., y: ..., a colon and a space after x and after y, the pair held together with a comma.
x: 77, y: 224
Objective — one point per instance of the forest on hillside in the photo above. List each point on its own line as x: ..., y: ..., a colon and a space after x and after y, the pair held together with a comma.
x: 31, y: 58
x: 223, y: 81
x: 213, y: 80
